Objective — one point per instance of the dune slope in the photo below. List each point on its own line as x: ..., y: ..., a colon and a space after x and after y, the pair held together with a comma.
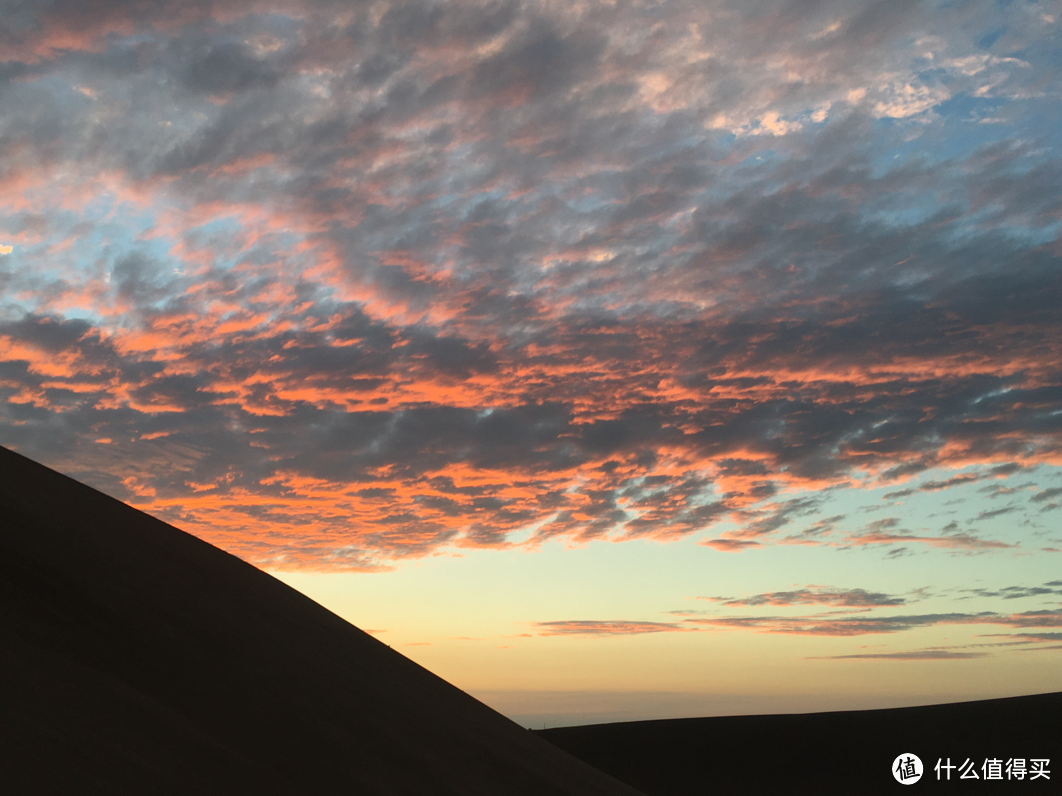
x: 823, y: 754
x: 135, y: 658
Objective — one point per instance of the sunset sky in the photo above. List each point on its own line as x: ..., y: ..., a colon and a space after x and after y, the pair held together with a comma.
x: 610, y: 359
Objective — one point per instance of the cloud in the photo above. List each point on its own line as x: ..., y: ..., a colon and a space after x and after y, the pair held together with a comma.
x: 394, y: 278
x: 1016, y: 640
x: 886, y: 532
x: 958, y: 480
x: 763, y: 522
x: 860, y: 624
x: 1046, y: 494
x: 962, y: 479
x: 730, y: 545
x: 826, y: 625
x: 609, y: 627
x: 1015, y: 592
x: 850, y: 598
x: 987, y: 515
x: 1031, y: 638
x: 909, y: 655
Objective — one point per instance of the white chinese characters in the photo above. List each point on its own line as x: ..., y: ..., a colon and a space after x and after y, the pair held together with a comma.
x: 995, y: 768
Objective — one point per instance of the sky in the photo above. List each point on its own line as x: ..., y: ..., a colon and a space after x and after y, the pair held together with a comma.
x: 613, y: 360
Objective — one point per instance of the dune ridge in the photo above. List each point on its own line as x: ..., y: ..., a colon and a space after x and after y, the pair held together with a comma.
x: 136, y: 658
x: 826, y: 754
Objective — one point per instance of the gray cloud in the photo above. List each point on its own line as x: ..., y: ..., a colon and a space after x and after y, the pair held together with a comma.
x: 862, y: 624
x: 1046, y: 494
x: 1015, y: 592
x: 638, y: 275
x: 849, y: 598
x: 909, y: 655
x: 609, y: 627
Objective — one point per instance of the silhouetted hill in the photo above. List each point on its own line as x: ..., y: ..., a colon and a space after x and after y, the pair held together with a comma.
x: 826, y: 753
x: 137, y: 659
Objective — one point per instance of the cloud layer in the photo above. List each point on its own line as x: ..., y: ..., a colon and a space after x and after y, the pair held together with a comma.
x: 335, y: 284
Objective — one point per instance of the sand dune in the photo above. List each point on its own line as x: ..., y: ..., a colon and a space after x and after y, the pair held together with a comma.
x: 823, y: 754
x: 137, y: 659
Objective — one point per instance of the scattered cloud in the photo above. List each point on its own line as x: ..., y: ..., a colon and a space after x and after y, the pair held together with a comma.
x: 848, y: 598
x: 908, y: 655
x: 1046, y: 494
x: 988, y: 515
x: 860, y: 624
x: 887, y: 532
x: 1015, y: 592
x: 730, y: 545
x: 389, y: 279
x: 609, y: 627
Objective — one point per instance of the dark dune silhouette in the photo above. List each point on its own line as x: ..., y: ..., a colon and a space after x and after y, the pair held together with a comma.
x: 137, y: 659
x: 824, y: 754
